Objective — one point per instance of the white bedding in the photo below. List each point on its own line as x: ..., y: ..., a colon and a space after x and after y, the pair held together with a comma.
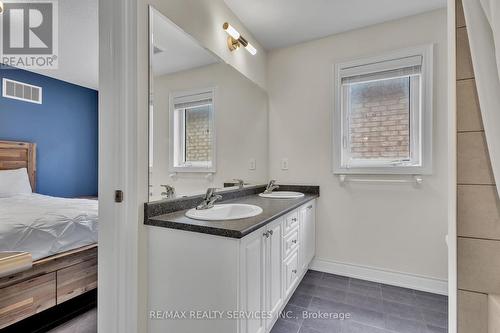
x: 43, y: 225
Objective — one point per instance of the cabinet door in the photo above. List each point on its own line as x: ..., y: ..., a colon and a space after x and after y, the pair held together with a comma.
x: 307, y: 234
x: 291, y: 270
x: 274, y: 297
x: 252, y: 266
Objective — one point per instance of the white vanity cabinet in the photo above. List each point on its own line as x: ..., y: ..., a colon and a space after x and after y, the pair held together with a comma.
x: 261, y: 277
x: 307, y: 233
x: 249, y: 279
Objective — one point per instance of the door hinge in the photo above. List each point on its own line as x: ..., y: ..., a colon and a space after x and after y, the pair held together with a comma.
x: 118, y: 196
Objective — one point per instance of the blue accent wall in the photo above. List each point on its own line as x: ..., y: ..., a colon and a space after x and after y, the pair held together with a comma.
x: 65, y: 129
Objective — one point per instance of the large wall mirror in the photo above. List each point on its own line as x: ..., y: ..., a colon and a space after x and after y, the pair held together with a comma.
x: 207, y: 121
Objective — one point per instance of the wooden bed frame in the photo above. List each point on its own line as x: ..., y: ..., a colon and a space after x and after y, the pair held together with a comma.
x: 51, y: 280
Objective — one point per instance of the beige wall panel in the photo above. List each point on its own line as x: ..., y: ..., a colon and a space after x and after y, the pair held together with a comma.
x: 473, y: 162
x: 472, y: 312
x: 464, y: 61
x: 460, y: 19
x: 468, y: 111
x: 479, y: 265
x: 478, y: 211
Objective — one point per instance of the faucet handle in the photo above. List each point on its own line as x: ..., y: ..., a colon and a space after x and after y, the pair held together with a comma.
x: 239, y: 182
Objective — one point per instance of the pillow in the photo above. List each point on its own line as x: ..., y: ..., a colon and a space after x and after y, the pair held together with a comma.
x: 14, y: 182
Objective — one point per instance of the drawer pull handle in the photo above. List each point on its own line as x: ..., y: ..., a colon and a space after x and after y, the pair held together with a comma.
x: 309, y: 207
x: 266, y: 234
x: 294, y: 241
x: 294, y: 271
x: 270, y: 232
x: 294, y: 219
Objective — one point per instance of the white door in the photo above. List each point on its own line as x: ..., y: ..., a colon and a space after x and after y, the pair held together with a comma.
x: 252, y: 286
x: 274, y: 297
x: 307, y: 234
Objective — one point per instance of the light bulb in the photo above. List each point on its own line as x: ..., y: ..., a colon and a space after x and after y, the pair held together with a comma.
x: 251, y: 49
x: 231, y: 31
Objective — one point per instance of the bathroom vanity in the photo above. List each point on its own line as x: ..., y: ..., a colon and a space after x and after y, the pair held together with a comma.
x: 232, y: 276
x: 229, y: 267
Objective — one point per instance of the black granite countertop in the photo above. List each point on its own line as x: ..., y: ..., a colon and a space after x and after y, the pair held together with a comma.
x: 271, y: 210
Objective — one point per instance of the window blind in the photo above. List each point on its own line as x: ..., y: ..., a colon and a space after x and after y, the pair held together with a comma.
x: 382, y: 70
x: 191, y: 101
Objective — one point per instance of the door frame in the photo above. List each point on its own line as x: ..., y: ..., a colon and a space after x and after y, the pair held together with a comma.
x: 121, y: 286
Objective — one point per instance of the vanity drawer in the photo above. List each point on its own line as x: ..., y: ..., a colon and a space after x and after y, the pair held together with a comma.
x: 291, y: 272
x: 291, y: 222
x: 24, y: 299
x: 290, y: 243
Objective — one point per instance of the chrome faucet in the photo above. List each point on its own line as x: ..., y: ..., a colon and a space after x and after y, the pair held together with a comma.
x: 209, y: 200
x: 271, y: 186
x: 169, y: 191
x: 239, y: 182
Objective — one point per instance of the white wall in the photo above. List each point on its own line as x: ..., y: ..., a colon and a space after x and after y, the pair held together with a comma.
x: 241, y: 128
x: 203, y: 19
x: 396, y: 228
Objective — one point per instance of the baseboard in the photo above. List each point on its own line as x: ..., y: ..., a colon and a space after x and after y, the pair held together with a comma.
x: 394, y: 278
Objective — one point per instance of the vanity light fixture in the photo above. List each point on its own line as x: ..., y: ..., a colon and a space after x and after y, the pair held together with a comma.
x: 235, y: 40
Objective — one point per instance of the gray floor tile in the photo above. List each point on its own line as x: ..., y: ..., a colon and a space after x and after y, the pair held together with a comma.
x: 350, y: 326
x: 438, y: 297
x: 312, y: 279
x: 403, y: 310
x: 302, y: 300
x: 305, y: 288
x: 332, y: 281
x: 283, y: 326
x: 321, y: 304
x: 404, y: 325
x: 432, y: 304
x: 434, y: 329
x: 305, y: 329
x: 329, y: 293
x: 314, y: 273
x: 433, y: 318
x: 372, y: 307
x: 293, y: 313
x: 398, y: 296
x: 366, y: 302
x: 358, y: 282
x: 323, y: 325
x: 367, y: 317
x: 366, y: 290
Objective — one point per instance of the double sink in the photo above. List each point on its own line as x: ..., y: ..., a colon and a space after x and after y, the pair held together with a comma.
x: 222, y: 212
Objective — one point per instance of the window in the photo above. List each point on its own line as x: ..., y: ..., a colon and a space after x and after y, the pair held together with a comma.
x: 383, y: 114
x: 192, y: 138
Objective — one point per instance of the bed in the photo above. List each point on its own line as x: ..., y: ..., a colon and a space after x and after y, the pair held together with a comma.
x: 44, y: 226
x: 60, y: 235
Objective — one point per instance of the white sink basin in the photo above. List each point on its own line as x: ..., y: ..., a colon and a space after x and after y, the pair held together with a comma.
x: 282, y: 195
x: 224, y: 212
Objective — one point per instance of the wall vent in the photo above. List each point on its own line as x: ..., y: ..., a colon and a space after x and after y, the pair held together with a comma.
x: 21, y: 91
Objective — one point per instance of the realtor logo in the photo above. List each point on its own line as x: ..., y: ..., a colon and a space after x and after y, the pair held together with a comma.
x: 29, y: 34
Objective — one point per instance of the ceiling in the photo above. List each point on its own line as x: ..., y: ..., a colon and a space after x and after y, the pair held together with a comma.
x: 78, y: 43
x: 175, y: 50
x: 281, y: 23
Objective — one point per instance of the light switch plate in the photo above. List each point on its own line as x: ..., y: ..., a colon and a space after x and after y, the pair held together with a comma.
x: 284, y: 164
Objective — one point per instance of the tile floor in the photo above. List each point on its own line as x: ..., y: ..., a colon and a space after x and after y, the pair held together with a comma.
x: 373, y: 307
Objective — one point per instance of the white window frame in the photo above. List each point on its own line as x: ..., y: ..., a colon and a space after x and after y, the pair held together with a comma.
x: 176, y: 145
x: 421, y: 130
